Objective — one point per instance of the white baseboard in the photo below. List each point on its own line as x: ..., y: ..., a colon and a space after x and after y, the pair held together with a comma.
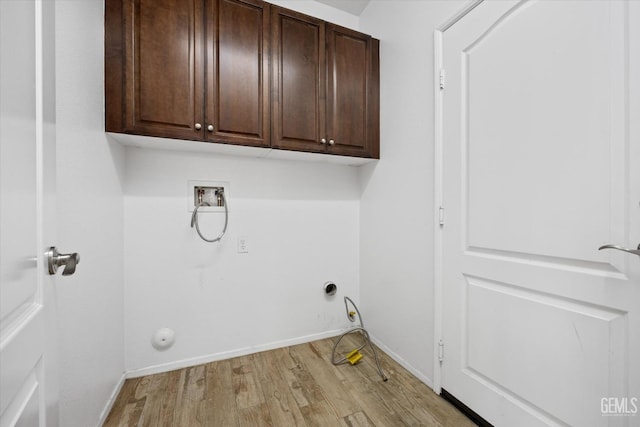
x: 428, y: 381
x: 112, y: 399
x: 185, y: 363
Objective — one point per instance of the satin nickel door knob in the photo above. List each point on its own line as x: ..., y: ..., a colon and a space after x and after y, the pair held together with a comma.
x: 55, y: 260
x: 210, y: 128
x: 620, y: 248
x: 198, y: 126
x: 331, y: 142
x: 323, y: 141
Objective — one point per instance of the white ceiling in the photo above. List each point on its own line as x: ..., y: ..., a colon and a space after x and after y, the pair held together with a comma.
x: 354, y: 7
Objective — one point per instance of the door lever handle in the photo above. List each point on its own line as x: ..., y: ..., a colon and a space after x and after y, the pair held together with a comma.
x: 620, y: 248
x: 56, y: 259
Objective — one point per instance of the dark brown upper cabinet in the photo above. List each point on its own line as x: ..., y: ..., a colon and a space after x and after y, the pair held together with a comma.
x: 240, y: 72
x: 299, y: 79
x: 188, y: 69
x: 154, y: 69
x: 325, y: 82
x: 353, y: 87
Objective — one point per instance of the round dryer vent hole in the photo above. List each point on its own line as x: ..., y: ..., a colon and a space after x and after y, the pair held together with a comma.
x: 330, y: 288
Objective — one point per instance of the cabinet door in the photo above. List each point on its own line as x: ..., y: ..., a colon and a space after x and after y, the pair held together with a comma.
x: 299, y: 81
x: 163, y: 77
x: 238, y: 72
x: 352, y: 93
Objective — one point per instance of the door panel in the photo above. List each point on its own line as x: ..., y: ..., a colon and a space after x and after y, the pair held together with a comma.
x: 538, y: 324
x: 348, y: 68
x: 164, y: 81
x: 17, y: 155
x: 24, y: 27
x: 568, y: 330
x: 351, y: 78
x: 20, y: 358
x: 238, y: 75
x: 299, y: 81
x: 30, y: 414
x: 557, y: 132
x: 19, y: 302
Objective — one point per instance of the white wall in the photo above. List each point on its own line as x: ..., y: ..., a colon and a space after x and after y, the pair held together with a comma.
x: 396, y: 220
x: 90, y: 220
x: 301, y: 221
x: 320, y: 10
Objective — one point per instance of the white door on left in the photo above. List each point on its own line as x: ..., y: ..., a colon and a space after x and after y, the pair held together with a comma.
x: 28, y: 394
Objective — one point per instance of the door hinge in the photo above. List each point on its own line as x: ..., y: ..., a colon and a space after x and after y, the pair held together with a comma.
x: 441, y: 80
x: 440, y: 351
x: 441, y: 215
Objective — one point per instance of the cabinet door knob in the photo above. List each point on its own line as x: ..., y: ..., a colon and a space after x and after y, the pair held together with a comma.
x: 331, y: 142
x: 198, y: 126
x: 210, y: 128
x: 323, y: 141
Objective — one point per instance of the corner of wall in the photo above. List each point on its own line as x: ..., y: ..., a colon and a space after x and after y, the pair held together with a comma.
x: 397, y: 203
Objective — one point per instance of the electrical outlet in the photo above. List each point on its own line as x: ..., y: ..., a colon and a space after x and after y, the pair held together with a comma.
x: 243, y: 245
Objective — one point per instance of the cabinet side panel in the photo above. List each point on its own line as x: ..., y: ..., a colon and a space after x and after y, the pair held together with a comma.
x: 113, y: 65
x: 373, y: 102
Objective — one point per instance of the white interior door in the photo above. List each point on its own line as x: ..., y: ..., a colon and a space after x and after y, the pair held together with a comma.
x: 541, y: 166
x: 28, y: 394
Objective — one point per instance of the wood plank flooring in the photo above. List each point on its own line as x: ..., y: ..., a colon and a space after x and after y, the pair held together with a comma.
x: 293, y: 386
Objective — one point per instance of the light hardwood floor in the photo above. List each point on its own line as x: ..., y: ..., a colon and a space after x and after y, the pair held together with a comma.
x: 293, y: 386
